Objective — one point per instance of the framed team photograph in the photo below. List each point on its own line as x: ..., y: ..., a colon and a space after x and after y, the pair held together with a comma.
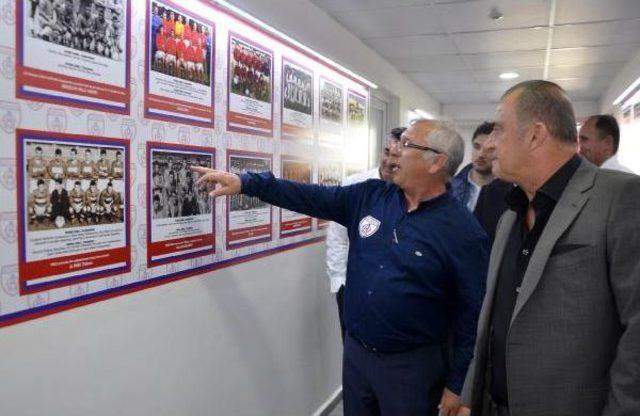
x: 297, y: 170
x: 179, y: 65
x: 74, y: 52
x: 250, y: 88
x: 73, y: 209
x: 331, y: 113
x: 248, y: 218
x: 297, y: 102
x: 180, y: 216
x: 356, y: 111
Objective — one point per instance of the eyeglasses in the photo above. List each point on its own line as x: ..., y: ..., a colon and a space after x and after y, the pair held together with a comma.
x: 407, y: 143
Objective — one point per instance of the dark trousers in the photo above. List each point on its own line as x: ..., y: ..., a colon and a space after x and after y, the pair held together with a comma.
x: 340, y: 300
x: 400, y: 384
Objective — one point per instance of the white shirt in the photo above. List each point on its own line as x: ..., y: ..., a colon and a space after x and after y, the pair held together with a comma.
x: 338, y: 239
x: 613, y: 164
x: 474, y: 193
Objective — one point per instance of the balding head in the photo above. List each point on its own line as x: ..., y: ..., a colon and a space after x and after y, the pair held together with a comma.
x: 547, y: 103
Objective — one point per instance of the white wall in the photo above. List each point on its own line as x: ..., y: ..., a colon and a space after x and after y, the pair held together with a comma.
x: 312, y: 26
x: 257, y: 339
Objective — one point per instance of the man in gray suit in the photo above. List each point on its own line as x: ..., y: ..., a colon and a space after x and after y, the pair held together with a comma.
x: 559, y: 331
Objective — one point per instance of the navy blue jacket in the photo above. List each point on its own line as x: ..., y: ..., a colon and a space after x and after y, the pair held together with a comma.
x: 413, y: 278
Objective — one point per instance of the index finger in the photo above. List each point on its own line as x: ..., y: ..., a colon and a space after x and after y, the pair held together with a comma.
x: 200, y: 169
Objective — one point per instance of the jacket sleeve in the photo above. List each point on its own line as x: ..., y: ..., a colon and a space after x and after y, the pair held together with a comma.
x: 326, y: 202
x: 623, y: 243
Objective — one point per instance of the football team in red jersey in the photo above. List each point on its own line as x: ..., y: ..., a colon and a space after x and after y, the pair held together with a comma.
x: 251, y: 71
x: 181, y: 47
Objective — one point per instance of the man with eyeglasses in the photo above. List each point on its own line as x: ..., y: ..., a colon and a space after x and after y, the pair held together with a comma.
x: 416, y: 272
x: 337, y: 236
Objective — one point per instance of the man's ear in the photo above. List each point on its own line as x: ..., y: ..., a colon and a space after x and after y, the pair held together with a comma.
x: 438, y: 164
x: 608, y: 143
x: 537, y: 135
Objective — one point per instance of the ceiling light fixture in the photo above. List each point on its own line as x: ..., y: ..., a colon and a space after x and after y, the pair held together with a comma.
x: 626, y: 93
x: 509, y: 75
x: 422, y: 114
x: 495, y: 14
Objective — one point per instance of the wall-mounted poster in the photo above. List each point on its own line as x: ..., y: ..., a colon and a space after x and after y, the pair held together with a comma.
x: 179, y: 65
x: 329, y: 174
x: 250, y: 93
x: 180, y: 218
x: 248, y: 218
x: 331, y: 113
x: 297, y: 102
x: 74, y: 52
x: 356, y: 111
x: 73, y: 209
x: 297, y: 170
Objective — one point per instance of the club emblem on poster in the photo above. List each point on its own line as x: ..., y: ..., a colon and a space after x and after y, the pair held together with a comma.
x: 10, y: 116
x: 8, y: 227
x: 128, y: 129
x: 9, y: 279
x: 7, y: 62
x: 56, y: 120
x: 7, y: 174
x: 95, y: 124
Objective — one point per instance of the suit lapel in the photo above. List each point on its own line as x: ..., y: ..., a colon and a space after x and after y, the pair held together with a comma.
x: 568, y: 207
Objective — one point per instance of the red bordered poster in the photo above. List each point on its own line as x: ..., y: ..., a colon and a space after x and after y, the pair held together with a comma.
x: 179, y: 75
x: 248, y: 219
x: 250, y: 87
x: 356, y: 111
x: 331, y: 113
x: 329, y: 174
x: 74, y: 53
x: 180, y: 217
x: 297, y: 170
x: 73, y: 199
x: 297, y: 102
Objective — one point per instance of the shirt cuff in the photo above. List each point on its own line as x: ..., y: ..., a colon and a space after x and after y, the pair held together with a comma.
x: 336, y: 283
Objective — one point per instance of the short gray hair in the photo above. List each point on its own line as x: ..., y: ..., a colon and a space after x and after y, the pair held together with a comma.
x: 548, y: 103
x: 444, y: 138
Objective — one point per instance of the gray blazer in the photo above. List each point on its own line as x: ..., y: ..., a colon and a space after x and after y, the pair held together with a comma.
x: 573, y: 346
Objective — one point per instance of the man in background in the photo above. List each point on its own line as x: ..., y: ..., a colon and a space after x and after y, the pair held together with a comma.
x: 466, y: 185
x: 599, y: 141
x: 476, y: 187
x: 337, y: 237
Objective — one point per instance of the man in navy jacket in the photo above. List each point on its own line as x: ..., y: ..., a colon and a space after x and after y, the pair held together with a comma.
x: 415, y: 277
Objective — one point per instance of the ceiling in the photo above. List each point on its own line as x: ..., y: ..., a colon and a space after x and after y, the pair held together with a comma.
x: 453, y: 50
